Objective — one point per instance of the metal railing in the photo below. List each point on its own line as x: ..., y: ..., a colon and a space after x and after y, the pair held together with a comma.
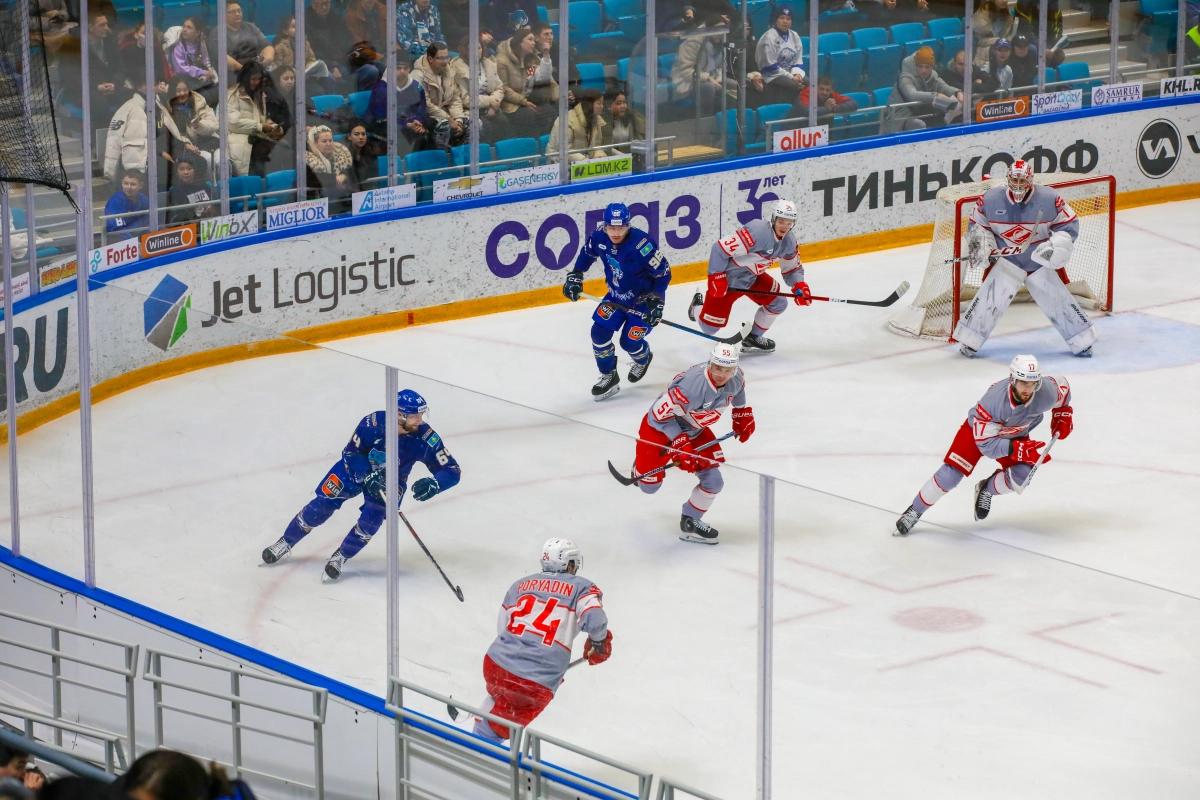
x: 667, y: 789
x: 532, y: 758
x: 153, y: 673
x: 52, y: 755
x: 114, y: 755
x: 128, y: 672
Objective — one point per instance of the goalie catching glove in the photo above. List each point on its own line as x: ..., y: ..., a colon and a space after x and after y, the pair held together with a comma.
x: 598, y: 652
x: 1055, y: 251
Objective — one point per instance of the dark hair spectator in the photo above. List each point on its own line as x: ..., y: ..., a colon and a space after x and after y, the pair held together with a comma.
x: 412, y: 112
x: 997, y: 74
x: 1028, y: 12
x: 106, y: 70
x: 778, y: 57
x: 244, y: 42
x: 992, y: 21
x: 367, y: 66
x: 503, y: 17
x: 545, y: 88
x: 622, y: 123
x: 170, y: 775
x: 699, y: 67
x: 955, y: 71
x: 495, y: 123
x: 129, y: 198
x: 246, y: 106
x: 326, y: 32
x: 936, y: 101
x: 132, y: 49
x: 443, y: 99
x: 585, y: 126
x: 366, y: 21
x: 14, y: 766
x: 330, y: 169
x: 189, y: 187
x: 187, y: 53
x: 364, y: 155
x: 1024, y: 62
x: 520, y: 66
x: 882, y: 13
x: 829, y: 102
x: 187, y: 126
x: 316, y: 72
x: 418, y: 25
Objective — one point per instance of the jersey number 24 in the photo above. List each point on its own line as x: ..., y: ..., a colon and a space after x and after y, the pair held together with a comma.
x: 543, y: 616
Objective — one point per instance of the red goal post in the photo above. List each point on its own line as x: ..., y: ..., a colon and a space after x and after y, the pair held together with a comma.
x: 949, y: 282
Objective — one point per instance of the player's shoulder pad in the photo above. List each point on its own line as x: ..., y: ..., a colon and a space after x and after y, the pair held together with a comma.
x: 429, y: 436
x: 373, y: 420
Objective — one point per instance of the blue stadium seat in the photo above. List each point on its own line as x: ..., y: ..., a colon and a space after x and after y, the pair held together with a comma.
x: 863, y: 99
x: 461, y: 156
x: 870, y: 37
x: 615, y: 9
x: 951, y: 45
x: 862, y: 123
x: 591, y: 76
x: 241, y: 186
x: 728, y: 123
x: 829, y: 42
x: 914, y: 45
x: 517, y: 148
x: 327, y: 103
x: 846, y: 68
x: 759, y: 16
x: 906, y: 32
x: 276, y: 181
x: 945, y: 26
x: 358, y: 102
x: 633, y: 26
x: 381, y: 165
x: 623, y: 69
x: 883, y: 65
x: 425, y: 160
x: 882, y: 95
x: 543, y: 142
x: 542, y: 15
x: 586, y: 18
x: 768, y: 113
x: 1078, y: 72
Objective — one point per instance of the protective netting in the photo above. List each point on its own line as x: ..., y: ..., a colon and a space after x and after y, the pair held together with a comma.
x: 932, y: 314
x: 29, y: 151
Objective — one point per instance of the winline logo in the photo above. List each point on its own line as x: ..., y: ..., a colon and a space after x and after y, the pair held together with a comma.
x: 1002, y: 109
x: 165, y: 313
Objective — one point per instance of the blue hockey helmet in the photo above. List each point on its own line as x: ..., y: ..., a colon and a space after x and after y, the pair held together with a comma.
x: 616, y: 214
x: 409, y: 402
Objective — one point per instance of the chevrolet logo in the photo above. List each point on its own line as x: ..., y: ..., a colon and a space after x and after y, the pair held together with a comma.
x: 466, y: 182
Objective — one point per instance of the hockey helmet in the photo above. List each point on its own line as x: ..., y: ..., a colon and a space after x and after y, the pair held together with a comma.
x: 617, y: 214
x: 783, y: 208
x: 557, y: 555
x: 409, y: 402
x: 724, y: 355
x: 1025, y: 368
x: 1020, y: 181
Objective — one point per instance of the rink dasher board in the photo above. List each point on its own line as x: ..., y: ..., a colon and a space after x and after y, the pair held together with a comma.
x: 492, y: 254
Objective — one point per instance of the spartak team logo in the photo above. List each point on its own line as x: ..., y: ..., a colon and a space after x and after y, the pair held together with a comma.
x: 1017, y: 234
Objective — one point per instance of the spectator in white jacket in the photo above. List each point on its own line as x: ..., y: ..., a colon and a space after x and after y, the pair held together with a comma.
x: 779, y: 56
x: 125, y: 147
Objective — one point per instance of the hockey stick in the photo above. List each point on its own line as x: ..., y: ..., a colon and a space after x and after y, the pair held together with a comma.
x: 1014, y: 250
x: 1021, y: 487
x: 632, y: 479
x: 892, y: 298
x: 737, y: 337
x: 453, y: 712
x: 457, y: 591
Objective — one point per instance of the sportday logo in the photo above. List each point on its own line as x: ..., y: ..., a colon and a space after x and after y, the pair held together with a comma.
x: 165, y: 313
x: 1158, y: 149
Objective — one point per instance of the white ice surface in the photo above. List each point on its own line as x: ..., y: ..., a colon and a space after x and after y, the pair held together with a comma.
x: 1051, y: 651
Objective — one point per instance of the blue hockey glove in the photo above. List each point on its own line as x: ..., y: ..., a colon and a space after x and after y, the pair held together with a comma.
x: 374, y: 485
x: 574, y: 285
x: 358, y: 466
x: 425, y: 488
x: 654, y: 308
x: 378, y: 459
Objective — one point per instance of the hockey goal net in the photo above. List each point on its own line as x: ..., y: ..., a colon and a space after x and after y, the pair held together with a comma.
x: 950, y: 284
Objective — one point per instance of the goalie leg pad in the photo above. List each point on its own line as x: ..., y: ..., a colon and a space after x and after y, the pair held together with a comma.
x: 990, y: 303
x: 1061, y: 308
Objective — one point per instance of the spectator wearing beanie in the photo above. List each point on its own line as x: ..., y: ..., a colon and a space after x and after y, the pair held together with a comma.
x: 778, y: 56
x: 918, y: 83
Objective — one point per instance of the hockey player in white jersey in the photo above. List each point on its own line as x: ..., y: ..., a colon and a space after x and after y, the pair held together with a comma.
x: 541, y: 616
x: 1034, y: 232
x: 998, y: 427
x: 740, y: 262
x: 678, y: 426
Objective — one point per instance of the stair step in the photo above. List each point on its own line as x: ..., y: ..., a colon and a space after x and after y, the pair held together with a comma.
x: 1096, y: 55
x: 1090, y: 33
x: 1076, y: 19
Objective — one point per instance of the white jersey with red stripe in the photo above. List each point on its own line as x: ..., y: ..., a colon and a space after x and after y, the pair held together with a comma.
x: 541, y: 616
x: 751, y: 250
x: 1024, y: 225
x: 997, y: 419
x: 693, y: 402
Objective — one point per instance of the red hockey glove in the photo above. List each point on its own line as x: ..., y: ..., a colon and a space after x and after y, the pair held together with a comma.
x: 1060, y: 422
x: 743, y: 423
x: 718, y: 284
x: 684, y: 454
x: 1025, y: 451
x: 803, y: 294
x: 598, y: 652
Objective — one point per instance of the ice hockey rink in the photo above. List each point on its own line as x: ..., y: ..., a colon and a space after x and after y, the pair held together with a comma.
x: 1050, y: 651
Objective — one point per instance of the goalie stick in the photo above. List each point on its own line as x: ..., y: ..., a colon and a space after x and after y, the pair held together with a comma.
x: 998, y: 252
x: 889, y: 300
x: 457, y: 591
x: 737, y: 337
x: 632, y: 479
x: 1021, y: 487
x: 453, y: 712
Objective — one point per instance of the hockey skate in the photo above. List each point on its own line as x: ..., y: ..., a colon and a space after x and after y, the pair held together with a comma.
x: 753, y: 344
x: 608, y: 385
x: 276, y: 551
x: 983, y: 499
x: 694, y: 307
x: 906, y: 522
x: 1085, y: 353
x: 697, y: 530
x: 638, y: 371
x: 967, y: 351
x: 333, y: 567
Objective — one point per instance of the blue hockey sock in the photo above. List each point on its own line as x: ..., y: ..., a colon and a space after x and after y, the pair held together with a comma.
x: 602, y: 348
x: 369, y: 522
x: 312, y: 515
x: 640, y: 356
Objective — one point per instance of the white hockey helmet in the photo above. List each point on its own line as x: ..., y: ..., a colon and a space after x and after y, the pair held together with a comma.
x: 724, y: 355
x: 557, y: 555
x: 1020, y: 180
x: 783, y: 208
x: 1025, y: 368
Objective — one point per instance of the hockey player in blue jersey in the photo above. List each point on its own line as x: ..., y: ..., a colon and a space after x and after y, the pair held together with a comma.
x: 361, y: 471
x: 637, y: 275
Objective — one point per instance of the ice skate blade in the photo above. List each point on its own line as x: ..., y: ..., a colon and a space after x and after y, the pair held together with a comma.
x: 606, y: 395
x: 688, y: 537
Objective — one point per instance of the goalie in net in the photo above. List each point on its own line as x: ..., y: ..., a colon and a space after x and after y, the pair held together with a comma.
x: 1023, y: 240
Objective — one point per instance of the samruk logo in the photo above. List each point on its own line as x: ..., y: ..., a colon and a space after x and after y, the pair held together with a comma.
x: 164, y: 313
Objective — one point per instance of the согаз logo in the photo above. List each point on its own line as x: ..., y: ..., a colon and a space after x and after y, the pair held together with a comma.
x: 1158, y: 149
x: 165, y: 313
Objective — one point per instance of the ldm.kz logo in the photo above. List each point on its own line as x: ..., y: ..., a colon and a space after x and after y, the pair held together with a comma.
x: 165, y: 313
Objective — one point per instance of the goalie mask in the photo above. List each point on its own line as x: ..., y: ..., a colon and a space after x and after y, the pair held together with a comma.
x: 1020, y: 181
x: 1025, y: 368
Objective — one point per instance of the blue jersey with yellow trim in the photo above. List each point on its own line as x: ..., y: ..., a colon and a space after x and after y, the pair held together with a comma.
x: 631, y: 269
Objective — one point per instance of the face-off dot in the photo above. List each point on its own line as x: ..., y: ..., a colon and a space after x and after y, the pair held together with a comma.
x: 938, y: 620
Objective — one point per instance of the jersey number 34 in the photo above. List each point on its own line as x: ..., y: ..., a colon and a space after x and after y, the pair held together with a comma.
x: 543, y: 616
